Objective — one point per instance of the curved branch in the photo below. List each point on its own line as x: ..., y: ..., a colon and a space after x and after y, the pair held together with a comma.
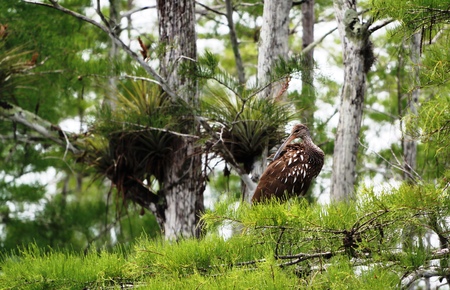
x: 37, y: 124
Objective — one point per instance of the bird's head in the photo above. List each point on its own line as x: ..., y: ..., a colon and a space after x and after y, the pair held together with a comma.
x: 298, y: 131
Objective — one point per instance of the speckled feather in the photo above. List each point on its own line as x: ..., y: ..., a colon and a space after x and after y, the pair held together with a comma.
x: 291, y: 172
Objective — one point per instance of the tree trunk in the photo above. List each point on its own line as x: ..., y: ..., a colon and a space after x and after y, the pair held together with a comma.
x: 358, y: 58
x: 183, y: 183
x: 408, y: 143
x: 308, y: 95
x: 114, y: 23
x: 273, y: 44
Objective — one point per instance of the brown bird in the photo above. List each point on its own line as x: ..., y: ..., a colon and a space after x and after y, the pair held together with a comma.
x: 292, y: 169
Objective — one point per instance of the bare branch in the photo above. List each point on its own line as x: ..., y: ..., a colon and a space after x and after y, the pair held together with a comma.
x: 317, y: 42
x: 408, y: 280
x: 147, y: 128
x: 210, y: 9
x: 399, y: 166
x: 99, y: 12
x: 302, y: 257
x: 43, y: 127
x: 379, y: 26
x: 131, y: 12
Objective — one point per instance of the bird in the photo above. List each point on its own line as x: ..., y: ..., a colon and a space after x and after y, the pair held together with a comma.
x: 292, y: 169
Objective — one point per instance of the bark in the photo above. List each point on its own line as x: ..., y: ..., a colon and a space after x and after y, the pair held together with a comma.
x: 273, y: 45
x: 308, y: 94
x: 114, y: 24
x: 183, y: 183
x: 177, y: 34
x: 408, y: 143
x: 358, y: 58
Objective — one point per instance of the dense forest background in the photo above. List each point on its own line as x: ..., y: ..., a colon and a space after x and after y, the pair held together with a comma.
x: 133, y: 134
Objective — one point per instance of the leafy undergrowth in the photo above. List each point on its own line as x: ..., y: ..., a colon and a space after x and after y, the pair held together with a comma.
x: 373, y: 243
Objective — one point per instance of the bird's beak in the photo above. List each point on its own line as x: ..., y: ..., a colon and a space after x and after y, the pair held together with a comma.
x: 287, y: 141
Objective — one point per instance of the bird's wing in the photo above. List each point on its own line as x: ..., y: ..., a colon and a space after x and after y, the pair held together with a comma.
x: 287, y: 173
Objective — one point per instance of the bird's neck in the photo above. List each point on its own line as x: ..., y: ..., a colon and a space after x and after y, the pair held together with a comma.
x: 313, y: 148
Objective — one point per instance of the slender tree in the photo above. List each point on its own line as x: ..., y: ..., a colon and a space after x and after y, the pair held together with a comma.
x: 273, y: 44
x: 409, y: 144
x: 308, y: 95
x: 358, y: 58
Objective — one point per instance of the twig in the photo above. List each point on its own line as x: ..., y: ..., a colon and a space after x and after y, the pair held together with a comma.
x: 312, y: 45
x: 129, y: 13
x: 210, y: 9
x: 379, y: 26
x: 99, y: 12
x: 408, y: 280
x: 399, y: 167
x: 147, y: 128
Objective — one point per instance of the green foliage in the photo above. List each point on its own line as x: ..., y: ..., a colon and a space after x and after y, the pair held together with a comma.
x: 54, y: 66
x: 34, y: 268
x: 414, y: 14
x: 292, y: 245
x: 432, y: 126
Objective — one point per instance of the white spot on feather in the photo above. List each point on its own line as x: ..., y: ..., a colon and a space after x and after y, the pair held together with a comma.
x: 290, y: 161
x: 301, y: 157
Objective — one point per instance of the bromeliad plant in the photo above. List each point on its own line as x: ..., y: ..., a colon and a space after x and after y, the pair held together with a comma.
x: 246, y: 125
x: 132, y: 142
x: 245, y: 122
